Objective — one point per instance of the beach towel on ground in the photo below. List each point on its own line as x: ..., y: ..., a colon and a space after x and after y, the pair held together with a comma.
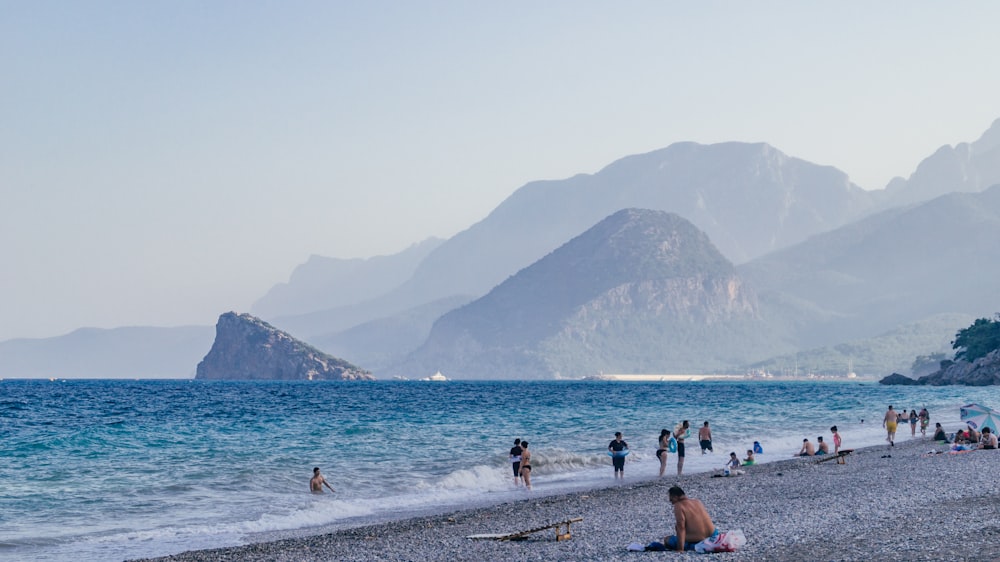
x: 727, y: 541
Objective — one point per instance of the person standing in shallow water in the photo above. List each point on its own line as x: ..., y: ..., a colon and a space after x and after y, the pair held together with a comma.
x: 317, y: 482
x: 661, y: 452
x: 617, y: 448
x: 515, y: 459
x: 525, y: 465
x: 680, y: 432
x: 705, y: 439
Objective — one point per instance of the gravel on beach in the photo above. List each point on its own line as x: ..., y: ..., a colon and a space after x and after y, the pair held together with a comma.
x: 884, y: 503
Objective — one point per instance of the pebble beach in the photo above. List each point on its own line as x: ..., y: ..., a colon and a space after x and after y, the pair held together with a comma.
x: 912, y: 501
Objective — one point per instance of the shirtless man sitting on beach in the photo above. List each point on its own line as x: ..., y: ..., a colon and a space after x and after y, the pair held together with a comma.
x: 693, y: 523
x: 317, y: 482
x: 807, y: 449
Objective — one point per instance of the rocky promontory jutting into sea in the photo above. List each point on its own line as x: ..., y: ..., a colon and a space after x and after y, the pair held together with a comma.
x: 984, y: 371
x: 247, y: 348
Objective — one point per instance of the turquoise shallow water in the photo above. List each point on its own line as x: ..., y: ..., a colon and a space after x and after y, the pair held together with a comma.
x: 104, y: 470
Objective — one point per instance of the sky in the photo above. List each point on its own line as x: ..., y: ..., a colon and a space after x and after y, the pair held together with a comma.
x: 164, y: 162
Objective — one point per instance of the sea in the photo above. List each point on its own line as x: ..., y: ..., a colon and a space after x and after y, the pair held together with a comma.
x: 121, y: 469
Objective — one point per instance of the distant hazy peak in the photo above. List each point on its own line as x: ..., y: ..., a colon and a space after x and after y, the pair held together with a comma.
x: 416, y: 247
x: 989, y: 141
x: 964, y: 167
x: 322, y: 282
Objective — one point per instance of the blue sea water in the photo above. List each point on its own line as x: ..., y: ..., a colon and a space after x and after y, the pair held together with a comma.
x: 112, y: 469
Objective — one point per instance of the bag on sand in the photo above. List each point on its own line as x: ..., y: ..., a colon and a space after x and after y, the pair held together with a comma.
x: 727, y: 541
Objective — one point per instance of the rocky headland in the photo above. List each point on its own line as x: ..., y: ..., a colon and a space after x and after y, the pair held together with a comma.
x: 984, y: 371
x: 247, y: 348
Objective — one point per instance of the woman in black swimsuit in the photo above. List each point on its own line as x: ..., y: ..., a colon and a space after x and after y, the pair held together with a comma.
x: 661, y: 453
x: 526, y: 464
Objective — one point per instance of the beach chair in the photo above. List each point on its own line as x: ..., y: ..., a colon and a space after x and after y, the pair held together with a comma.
x: 839, y: 456
x: 521, y: 535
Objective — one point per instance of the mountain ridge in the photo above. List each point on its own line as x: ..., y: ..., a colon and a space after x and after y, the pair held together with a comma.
x: 633, y: 256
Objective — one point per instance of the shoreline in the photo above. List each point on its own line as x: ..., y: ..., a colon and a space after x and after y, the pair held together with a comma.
x: 885, y: 503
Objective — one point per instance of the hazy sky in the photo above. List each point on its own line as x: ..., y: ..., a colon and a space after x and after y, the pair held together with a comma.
x: 164, y: 162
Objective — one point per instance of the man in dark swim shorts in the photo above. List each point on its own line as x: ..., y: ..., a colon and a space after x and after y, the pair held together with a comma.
x: 680, y: 432
x: 515, y: 458
x: 705, y: 439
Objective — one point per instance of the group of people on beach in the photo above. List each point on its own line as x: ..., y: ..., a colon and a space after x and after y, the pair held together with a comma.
x: 892, y: 419
x: 673, y: 442
x: 968, y: 438
x: 821, y: 447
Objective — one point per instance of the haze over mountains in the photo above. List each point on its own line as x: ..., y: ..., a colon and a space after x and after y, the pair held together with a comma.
x: 819, y: 262
x: 638, y: 291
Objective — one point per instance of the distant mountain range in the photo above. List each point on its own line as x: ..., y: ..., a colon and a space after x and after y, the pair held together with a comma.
x: 749, y: 198
x: 136, y: 352
x: 820, y: 261
x: 323, y: 283
x: 641, y: 291
x: 889, y: 269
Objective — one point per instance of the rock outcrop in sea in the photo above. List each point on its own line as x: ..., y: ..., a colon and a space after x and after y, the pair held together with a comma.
x: 247, y: 348
x: 898, y: 379
x: 984, y: 371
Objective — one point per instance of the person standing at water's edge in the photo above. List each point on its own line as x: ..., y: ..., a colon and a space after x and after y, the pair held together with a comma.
x: 913, y: 423
x: 515, y: 459
x: 525, y: 465
x: 705, y: 439
x: 836, y: 439
x: 618, y: 448
x: 317, y: 482
x: 889, y: 423
x: 680, y: 432
x: 662, y: 448
x: 925, y: 420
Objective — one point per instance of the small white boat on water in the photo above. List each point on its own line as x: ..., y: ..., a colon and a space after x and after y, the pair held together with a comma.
x: 435, y: 377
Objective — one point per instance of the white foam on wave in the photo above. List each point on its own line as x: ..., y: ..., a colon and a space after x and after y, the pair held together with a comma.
x: 276, y: 503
